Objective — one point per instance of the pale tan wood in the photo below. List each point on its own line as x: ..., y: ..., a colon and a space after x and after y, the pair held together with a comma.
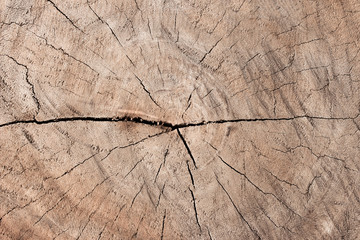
x: 179, y: 119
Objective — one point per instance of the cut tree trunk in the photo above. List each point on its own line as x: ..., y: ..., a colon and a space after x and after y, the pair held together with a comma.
x: 167, y: 119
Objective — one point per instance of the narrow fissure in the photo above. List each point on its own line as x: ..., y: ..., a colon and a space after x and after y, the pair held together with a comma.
x: 188, y: 150
x: 195, y: 210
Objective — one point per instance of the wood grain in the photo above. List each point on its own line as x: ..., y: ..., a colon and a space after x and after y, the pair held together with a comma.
x: 179, y: 119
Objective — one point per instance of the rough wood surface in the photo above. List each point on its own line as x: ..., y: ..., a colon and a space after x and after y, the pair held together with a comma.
x: 175, y: 119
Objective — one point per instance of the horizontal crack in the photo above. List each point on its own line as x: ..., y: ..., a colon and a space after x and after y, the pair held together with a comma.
x: 92, y: 119
x: 165, y: 124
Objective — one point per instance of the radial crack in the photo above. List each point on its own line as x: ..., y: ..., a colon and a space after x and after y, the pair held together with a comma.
x: 195, y: 210
x: 161, y: 193
x: 163, y: 226
x: 62, y: 13
x: 78, y: 164
x: 135, y: 166
x: 132, y: 202
x: 147, y: 91
x: 207, y: 53
x: 111, y: 30
x: 65, y: 53
x: 186, y: 146
x: 259, y: 189
x: 56, y: 204
x: 281, y: 180
x: 191, y: 176
x: 238, y: 211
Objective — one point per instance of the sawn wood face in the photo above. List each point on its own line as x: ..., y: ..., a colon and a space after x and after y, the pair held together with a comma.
x: 167, y: 119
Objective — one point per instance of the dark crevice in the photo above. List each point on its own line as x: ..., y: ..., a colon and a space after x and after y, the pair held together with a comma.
x: 102, y: 230
x: 186, y: 146
x: 62, y: 13
x: 195, y: 210
x: 238, y: 211
x: 272, y: 221
x: 10, y: 23
x: 86, y: 224
x: 163, y: 225
x: 93, y: 119
x: 191, y: 176
x: 165, y: 124
x: 20, y: 207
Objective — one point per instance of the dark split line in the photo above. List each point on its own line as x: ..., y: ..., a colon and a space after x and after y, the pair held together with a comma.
x: 92, y: 119
x: 164, y: 124
x: 188, y: 150
x: 195, y: 210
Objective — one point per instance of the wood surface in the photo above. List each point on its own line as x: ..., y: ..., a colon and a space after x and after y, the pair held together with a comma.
x: 179, y: 119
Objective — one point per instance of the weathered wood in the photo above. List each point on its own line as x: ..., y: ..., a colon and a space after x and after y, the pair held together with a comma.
x: 179, y: 119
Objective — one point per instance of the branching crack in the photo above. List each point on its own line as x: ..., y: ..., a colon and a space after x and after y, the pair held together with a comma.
x: 132, y: 144
x: 272, y: 221
x: 259, y: 189
x: 27, y: 81
x: 65, y: 53
x: 86, y: 195
x: 237, y: 210
x: 310, y: 184
x: 19, y: 207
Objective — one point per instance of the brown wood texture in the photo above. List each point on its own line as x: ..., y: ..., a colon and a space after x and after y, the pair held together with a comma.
x: 179, y: 119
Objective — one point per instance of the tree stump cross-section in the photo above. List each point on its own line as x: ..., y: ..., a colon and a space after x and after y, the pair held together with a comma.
x: 178, y: 119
